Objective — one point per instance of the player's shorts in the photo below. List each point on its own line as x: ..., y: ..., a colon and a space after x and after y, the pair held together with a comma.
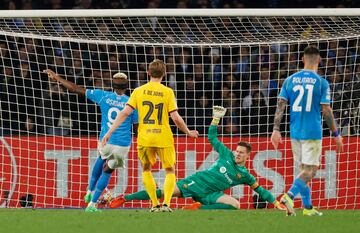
x: 307, y: 151
x: 114, y: 155
x: 189, y: 188
x: 166, y: 154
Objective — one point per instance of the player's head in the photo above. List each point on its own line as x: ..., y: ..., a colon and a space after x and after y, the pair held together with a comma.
x: 242, y: 152
x: 157, y: 69
x: 311, y: 56
x: 120, y: 81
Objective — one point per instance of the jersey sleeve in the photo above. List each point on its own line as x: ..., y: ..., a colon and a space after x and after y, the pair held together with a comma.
x: 135, y: 117
x: 214, y: 141
x: 251, y: 181
x: 132, y: 100
x: 263, y: 193
x: 95, y: 95
x: 325, y: 92
x: 283, y: 92
x: 172, y: 106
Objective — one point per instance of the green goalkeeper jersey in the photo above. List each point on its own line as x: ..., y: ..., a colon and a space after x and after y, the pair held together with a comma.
x: 223, y: 174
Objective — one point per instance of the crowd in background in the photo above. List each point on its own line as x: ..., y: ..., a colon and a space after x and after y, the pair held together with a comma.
x: 123, y: 4
x: 245, y: 79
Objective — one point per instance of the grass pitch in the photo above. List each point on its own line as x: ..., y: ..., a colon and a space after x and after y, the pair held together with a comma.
x: 123, y: 221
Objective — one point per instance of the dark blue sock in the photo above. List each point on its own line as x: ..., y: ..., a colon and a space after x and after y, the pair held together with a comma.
x: 101, y: 185
x: 306, y: 197
x: 96, y: 173
x: 296, y: 188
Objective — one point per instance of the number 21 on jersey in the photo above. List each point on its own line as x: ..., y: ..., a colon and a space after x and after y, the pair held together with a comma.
x: 159, y: 107
x: 299, y: 88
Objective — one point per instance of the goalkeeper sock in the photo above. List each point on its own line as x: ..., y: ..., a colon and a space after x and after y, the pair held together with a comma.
x: 150, y: 187
x: 217, y: 206
x: 306, y: 197
x: 141, y: 195
x: 96, y: 173
x: 296, y: 188
x: 101, y: 185
x: 169, y: 185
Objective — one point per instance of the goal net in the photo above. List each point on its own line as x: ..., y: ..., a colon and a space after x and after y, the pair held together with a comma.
x: 234, y: 58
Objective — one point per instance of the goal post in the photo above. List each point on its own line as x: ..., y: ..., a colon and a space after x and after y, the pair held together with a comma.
x: 237, y: 58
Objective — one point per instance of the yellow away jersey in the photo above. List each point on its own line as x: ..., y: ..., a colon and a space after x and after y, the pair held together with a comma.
x: 154, y: 102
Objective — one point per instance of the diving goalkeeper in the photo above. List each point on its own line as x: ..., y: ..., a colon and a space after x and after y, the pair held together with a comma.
x: 207, y: 187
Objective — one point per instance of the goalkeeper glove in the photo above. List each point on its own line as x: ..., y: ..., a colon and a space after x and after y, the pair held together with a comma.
x: 218, y: 113
x: 279, y: 206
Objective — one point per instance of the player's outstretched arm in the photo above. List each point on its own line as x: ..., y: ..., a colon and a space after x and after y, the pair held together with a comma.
x: 265, y: 195
x: 276, y: 135
x: 218, y: 113
x: 180, y: 123
x: 67, y: 84
x: 330, y: 121
x: 123, y: 114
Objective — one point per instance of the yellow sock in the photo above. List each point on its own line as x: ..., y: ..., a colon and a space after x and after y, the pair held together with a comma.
x: 150, y: 187
x: 169, y: 185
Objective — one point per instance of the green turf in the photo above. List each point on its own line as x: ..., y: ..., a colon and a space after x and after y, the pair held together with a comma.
x: 122, y: 221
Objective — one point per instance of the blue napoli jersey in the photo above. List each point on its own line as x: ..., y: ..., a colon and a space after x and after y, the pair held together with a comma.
x: 111, y: 104
x: 305, y: 91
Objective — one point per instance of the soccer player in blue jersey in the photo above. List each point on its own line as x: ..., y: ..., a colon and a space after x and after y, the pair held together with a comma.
x: 113, y: 154
x: 308, y: 95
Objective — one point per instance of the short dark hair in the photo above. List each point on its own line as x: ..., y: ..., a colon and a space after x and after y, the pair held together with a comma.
x: 246, y: 145
x: 311, y: 50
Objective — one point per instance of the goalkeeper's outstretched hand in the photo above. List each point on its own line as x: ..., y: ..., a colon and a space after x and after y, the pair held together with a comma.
x: 218, y: 111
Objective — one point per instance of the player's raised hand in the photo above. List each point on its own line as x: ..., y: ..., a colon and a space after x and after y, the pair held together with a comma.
x: 218, y: 111
x: 193, y: 133
x: 276, y: 138
x: 339, y: 144
x: 51, y: 74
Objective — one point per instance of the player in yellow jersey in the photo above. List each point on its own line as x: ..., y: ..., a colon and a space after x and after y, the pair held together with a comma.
x: 154, y: 103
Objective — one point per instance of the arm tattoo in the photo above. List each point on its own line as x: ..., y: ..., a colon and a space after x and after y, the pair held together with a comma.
x: 330, y: 119
x: 279, y: 113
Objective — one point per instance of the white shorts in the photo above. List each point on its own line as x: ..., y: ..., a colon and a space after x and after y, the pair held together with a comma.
x: 307, y: 151
x: 115, y: 155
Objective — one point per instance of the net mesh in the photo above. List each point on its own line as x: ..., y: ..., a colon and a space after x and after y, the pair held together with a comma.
x: 49, y: 135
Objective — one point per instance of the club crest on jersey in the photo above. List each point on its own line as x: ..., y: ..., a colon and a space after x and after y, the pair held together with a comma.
x: 238, y: 176
x: 222, y: 169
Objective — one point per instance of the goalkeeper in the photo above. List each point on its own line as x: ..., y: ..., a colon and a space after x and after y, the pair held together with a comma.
x: 207, y: 187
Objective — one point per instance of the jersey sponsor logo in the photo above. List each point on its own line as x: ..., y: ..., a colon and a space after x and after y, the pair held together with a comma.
x: 222, y: 170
